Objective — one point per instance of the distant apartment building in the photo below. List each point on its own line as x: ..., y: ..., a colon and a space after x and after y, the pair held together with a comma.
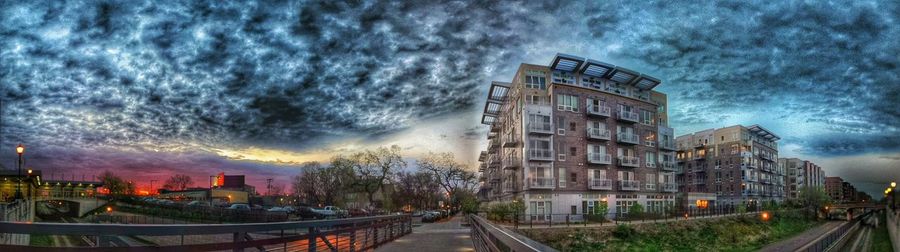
x: 834, y: 187
x: 801, y: 173
x: 737, y: 164
x: 566, y: 137
x: 848, y: 193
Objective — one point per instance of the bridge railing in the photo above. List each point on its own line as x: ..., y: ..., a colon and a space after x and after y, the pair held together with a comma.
x: 827, y: 241
x: 352, y: 234
x: 488, y: 237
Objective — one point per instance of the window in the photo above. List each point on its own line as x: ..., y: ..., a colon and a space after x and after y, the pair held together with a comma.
x: 573, y: 151
x: 572, y: 126
x: 574, y: 177
x: 562, y: 152
x: 562, y: 177
x: 567, y: 103
x: 536, y: 79
x: 647, y: 117
x: 563, y: 77
x: 650, y: 159
x: 561, y: 125
x: 536, y: 99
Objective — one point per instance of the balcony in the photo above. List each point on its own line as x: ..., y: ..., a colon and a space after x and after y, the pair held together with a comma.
x: 512, y: 162
x: 751, y: 178
x: 599, y: 158
x: 540, y: 154
x: 700, y: 146
x: 668, y: 166
x: 598, y: 110
x: 540, y: 128
x: 628, y: 116
x: 495, y: 142
x: 629, y: 185
x: 596, y: 133
x: 510, y: 187
x: 765, y: 181
x: 650, y: 164
x: 541, y: 183
x: 667, y: 145
x: 669, y: 187
x: 601, y: 184
x: 627, y: 161
x: 699, y: 157
x: 628, y: 138
x: 511, y: 141
x: 650, y: 143
x: 650, y: 187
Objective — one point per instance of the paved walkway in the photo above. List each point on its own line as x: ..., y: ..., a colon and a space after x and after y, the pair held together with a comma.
x: 447, y: 235
x: 794, y: 243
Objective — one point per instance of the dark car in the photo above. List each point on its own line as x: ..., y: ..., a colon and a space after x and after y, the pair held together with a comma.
x: 306, y: 213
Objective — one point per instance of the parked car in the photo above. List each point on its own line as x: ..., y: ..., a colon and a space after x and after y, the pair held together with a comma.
x: 239, y: 207
x: 358, y: 212
x: 290, y: 209
x: 198, y: 203
x: 418, y: 213
x: 431, y: 216
x: 277, y: 210
x: 307, y: 213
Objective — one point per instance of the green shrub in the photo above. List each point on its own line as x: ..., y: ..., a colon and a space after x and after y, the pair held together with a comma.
x: 624, y: 232
x: 636, y: 211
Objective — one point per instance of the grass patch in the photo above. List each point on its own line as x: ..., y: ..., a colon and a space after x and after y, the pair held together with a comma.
x: 881, y: 240
x: 41, y: 241
x: 746, y: 233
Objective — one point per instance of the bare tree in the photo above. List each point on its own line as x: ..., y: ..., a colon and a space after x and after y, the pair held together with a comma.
x: 451, y: 175
x: 419, y: 190
x: 321, y: 184
x: 178, y: 182
x: 372, y: 168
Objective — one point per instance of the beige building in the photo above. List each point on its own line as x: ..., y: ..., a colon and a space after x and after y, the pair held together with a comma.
x: 801, y: 173
x: 737, y: 164
x: 569, y: 136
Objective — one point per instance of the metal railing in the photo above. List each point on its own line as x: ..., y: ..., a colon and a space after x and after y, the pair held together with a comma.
x: 598, y: 133
x: 827, y: 241
x: 488, y: 237
x: 353, y: 234
x: 631, y: 138
x: 629, y: 185
x: 540, y: 154
x: 628, y: 161
x: 628, y: 116
x: 535, y: 127
x: 539, y: 182
x: 598, y: 110
x: 601, y: 184
x: 599, y: 158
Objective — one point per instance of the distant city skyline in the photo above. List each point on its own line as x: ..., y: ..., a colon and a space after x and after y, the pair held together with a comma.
x: 148, y: 90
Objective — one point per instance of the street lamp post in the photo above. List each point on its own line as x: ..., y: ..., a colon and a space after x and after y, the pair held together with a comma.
x: 19, y: 150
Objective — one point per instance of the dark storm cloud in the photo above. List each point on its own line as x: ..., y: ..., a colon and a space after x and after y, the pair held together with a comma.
x: 142, y: 77
x: 129, y: 73
x: 834, y: 63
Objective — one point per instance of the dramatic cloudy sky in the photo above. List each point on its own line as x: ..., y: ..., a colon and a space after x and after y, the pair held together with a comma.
x: 151, y: 88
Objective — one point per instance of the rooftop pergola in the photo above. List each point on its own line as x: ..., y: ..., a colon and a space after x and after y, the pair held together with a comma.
x: 764, y: 133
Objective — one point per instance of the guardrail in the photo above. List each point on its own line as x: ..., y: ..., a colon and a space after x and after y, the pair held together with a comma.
x: 826, y: 242
x: 353, y: 234
x: 488, y: 237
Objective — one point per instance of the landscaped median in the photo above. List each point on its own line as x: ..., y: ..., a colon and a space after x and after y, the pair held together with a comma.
x: 734, y: 233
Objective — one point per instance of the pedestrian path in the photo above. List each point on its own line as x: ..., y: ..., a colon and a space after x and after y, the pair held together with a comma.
x: 448, y: 235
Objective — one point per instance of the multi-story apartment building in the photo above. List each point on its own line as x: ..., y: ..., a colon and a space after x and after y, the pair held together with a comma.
x: 848, y: 193
x: 569, y: 136
x: 801, y: 173
x: 834, y: 187
x: 737, y: 164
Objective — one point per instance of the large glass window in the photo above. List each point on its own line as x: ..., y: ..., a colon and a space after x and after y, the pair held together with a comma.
x: 562, y: 177
x: 536, y: 79
x: 567, y: 103
x: 647, y: 117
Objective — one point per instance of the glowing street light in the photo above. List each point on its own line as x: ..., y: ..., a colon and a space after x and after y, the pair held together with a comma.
x: 765, y: 216
x: 893, y: 184
x: 19, y: 150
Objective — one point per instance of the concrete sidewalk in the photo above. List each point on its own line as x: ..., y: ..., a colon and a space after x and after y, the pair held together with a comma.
x: 448, y: 235
x: 800, y: 240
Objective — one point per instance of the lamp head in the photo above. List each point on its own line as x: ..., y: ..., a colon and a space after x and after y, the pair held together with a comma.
x: 20, y: 149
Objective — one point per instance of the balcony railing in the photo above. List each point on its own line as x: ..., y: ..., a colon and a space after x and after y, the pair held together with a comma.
x: 700, y: 157
x: 597, y: 133
x: 628, y: 116
x: 510, y: 141
x: 541, y: 183
x: 628, y: 161
x: 540, y: 154
x: 512, y: 162
x: 629, y: 138
x: 650, y: 187
x: 601, y: 184
x: 598, y: 110
x: 669, y: 187
x: 629, y: 185
x: 650, y: 164
x: 540, y: 128
x: 599, y: 158
x: 667, y: 145
x: 751, y: 178
x: 668, y: 166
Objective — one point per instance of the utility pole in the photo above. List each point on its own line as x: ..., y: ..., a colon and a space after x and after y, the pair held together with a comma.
x: 269, y: 186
